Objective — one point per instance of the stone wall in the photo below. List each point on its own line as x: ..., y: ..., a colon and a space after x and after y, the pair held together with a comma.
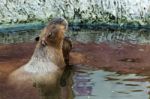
x: 89, y: 11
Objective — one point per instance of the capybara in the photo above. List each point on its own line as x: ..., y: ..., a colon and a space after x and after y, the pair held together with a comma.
x: 40, y: 77
x: 67, y: 46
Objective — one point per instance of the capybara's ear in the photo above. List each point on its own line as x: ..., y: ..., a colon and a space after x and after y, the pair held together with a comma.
x: 37, y: 38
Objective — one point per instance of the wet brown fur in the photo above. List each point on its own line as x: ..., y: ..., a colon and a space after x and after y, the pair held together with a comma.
x: 48, y: 51
x: 66, y: 48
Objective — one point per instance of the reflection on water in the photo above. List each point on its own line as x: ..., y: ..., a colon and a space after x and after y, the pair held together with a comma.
x: 141, y: 36
x: 109, y: 85
x: 18, y: 37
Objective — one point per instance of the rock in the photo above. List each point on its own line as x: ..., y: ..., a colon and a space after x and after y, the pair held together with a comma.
x: 14, y: 11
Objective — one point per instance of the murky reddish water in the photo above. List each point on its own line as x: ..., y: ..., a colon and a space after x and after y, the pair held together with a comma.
x: 124, y: 58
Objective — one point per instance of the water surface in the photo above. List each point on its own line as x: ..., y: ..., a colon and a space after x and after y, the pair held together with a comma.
x: 98, y: 84
x: 85, y: 36
x: 101, y: 84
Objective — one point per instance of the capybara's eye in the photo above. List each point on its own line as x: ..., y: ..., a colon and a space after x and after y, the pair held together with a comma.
x: 37, y: 38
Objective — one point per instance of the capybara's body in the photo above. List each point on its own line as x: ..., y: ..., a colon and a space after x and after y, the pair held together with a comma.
x: 41, y: 75
x: 67, y: 47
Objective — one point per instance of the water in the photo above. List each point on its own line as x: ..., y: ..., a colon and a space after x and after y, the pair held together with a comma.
x: 85, y: 36
x: 101, y: 84
x: 98, y: 84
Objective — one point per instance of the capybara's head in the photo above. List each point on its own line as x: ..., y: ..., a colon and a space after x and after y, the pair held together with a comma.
x: 53, y: 33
